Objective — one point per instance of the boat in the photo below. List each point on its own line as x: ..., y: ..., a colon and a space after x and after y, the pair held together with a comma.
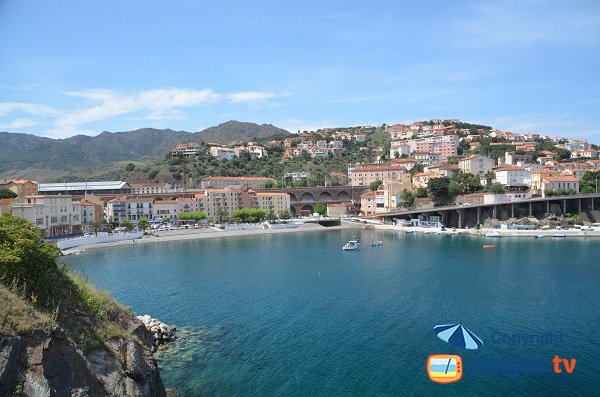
x: 408, y: 231
x: 559, y: 235
x: 538, y: 236
x: 493, y: 234
x: 490, y: 246
x: 351, y: 245
x: 376, y: 243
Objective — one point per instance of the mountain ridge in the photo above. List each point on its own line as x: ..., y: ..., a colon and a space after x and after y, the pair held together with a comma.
x: 21, y: 152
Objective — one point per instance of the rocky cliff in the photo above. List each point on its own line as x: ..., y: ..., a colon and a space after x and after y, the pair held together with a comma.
x: 51, y: 363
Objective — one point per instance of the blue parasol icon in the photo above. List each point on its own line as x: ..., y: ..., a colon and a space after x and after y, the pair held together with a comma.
x: 457, y: 335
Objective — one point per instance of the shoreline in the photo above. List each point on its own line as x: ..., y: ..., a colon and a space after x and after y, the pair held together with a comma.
x: 505, y: 232
x: 203, y: 234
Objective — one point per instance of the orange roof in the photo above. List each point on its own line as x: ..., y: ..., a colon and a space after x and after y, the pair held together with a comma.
x: 6, y: 201
x: 545, y: 171
x: 426, y: 174
x: 200, y: 195
x: 407, y: 160
x: 509, y: 167
x: 271, y: 194
x: 562, y: 178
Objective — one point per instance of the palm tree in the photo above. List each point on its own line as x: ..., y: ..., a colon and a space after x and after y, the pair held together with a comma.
x: 96, y: 227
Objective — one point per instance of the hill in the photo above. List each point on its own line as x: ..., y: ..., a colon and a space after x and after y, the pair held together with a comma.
x: 34, y: 157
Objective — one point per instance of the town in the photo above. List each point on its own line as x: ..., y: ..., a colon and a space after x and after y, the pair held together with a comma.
x: 418, y: 166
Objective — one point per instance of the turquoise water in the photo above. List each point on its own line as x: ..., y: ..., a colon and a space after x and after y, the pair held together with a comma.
x: 294, y: 315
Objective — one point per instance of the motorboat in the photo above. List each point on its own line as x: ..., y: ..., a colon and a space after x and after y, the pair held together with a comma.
x: 351, y: 245
x: 559, y: 235
x: 376, y: 243
x: 538, y: 236
x: 493, y: 234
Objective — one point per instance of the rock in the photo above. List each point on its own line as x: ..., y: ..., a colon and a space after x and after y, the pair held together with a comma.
x: 11, y: 357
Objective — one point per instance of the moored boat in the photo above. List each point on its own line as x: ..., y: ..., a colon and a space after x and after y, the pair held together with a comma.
x: 351, y: 245
x: 493, y: 234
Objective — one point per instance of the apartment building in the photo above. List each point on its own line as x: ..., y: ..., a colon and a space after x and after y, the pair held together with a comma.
x: 273, y: 203
x: 53, y: 215
x: 476, y: 164
x: 92, y: 211
x: 150, y: 188
x: 218, y: 203
x: 221, y: 182
x: 363, y: 176
x: 444, y: 145
x: 121, y: 209
x: 537, y: 176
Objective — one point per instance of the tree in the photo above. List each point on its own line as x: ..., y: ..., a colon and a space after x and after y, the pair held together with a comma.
x: 166, y: 219
x: 130, y: 167
x: 437, y: 188
x: 408, y: 198
x: 192, y: 215
x: 269, y: 185
x: 590, y: 182
x: 96, y: 227
x: 128, y: 225
x: 418, y: 168
x: 220, y: 215
x: 143, y: 223
x: 321, y: 209
x: 26, y: 260
x: 467, y: 183
x: 7, y: 193
x: 421, y: 192
x: 271, y: 217
x: 375, y: 185
x: 285, y: 214
x: 496, y: 188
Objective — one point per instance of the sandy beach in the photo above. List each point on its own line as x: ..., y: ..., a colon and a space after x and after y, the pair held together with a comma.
x: 210, y: 233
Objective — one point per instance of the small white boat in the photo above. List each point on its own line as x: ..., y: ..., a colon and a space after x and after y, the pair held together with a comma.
x: 351, y: 245
x: 493, y: 234
x: 559, y: 235
x: 408, y: 231
x: 376, y: 243
x: 538, y: 236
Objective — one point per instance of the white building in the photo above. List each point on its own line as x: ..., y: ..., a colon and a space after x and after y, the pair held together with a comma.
x: 53, y: 215
x: 222, y: 152
x: 561, y: 182
x: 511, y: 175
x: 476, y: 164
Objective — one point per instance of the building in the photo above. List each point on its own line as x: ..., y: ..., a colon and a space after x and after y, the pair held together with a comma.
x: 83, y: 188
x: 121, y: 209
x: 584, y: 154
x: 427, y: 158
x: 399, y: 148
x: 476, y: 164
x: 363, y: 176
x: 296, y: 176
x: 392, y: 194
x: 368, y: 204
x: 511, y: 175
x: 220, y: 203
x: 339, y: 210
x: 53, y: 215
x: 576, y: 172
x: 21, y: 187
x: 399, y: 131
x: 561, y: 182
x: 150, y: 188
x: 444, y: 145
x: 443, y: 169
x: 515, y: 158
x: 272, y: 202
x: 422, y: 179
x: 222, y: 153
x: 221, y: 182
x: 166, y: 208
x: 186, y: 150
x: 92, y: 211
x: 407, y: 163
x: 6, y: 206
x: 537, y: 176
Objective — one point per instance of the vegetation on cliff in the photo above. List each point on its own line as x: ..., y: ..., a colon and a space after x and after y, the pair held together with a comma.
x: 61, y: 334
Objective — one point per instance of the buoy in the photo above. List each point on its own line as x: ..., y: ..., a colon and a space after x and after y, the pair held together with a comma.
x: 489, y: 246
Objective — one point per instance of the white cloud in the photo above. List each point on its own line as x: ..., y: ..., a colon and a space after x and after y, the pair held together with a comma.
x: 154, y: 104
x: 294, y: 125
x: 250, y: 96
x: 29, y: 108
x: 19, y: 123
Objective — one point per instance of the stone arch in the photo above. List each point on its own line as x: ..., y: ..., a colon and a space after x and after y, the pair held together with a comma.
x: 307, y: 196
x: 343, y: 196
x: 309, y: 208
x: 293, y: 210
x: 325, y: 196
x: 293, y: 197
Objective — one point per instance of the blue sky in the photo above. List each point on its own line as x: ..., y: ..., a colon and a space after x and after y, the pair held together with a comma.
x: 69, y: 67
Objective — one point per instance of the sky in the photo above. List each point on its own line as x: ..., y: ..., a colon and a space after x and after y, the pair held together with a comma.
x: 71, y: 67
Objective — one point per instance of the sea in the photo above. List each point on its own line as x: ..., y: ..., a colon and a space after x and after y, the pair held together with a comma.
x: 295, y: 315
